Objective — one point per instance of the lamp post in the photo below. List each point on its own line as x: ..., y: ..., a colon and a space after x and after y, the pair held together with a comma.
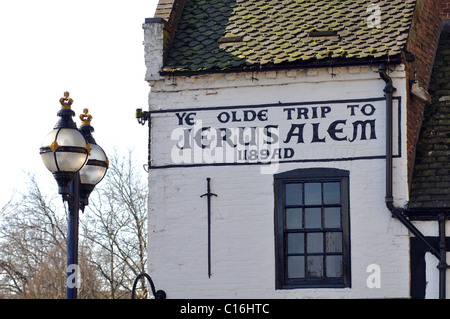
x: 77, y: 164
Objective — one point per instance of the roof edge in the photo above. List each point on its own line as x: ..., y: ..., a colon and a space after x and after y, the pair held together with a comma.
x: 168, y: 12
x: 389, y: 60
x: 427, y: 214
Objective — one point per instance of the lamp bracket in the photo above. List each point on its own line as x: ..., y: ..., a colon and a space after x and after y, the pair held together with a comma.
x: 141, y: 116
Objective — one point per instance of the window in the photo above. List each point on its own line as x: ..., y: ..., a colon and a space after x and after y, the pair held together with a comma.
x: 312, y: 228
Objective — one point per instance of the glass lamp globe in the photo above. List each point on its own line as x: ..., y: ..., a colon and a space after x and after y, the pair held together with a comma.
x: 95, y: 169
x: 64, y: 150
x: 97, y: 164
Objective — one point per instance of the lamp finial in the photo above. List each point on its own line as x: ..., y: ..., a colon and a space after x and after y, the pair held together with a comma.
x: 66, y: 101
x: 85, y: 117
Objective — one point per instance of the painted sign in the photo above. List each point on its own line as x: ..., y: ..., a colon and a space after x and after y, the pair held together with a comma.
x: 272, y: 133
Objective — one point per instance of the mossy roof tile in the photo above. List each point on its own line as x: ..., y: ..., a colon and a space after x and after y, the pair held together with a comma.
x: 274, y: 23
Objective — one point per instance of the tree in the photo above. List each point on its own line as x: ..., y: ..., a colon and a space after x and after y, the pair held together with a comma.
x: 112, y: 243
x: 33, y: 246
x: 117, y: 225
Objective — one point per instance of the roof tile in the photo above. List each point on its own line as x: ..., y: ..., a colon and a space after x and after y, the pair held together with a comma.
x: 430, y: 185
x: 282, y: 27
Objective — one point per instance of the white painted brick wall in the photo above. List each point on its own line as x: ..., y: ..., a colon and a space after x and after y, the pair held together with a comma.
x: 243, y: 235
x: 243, y: 261
x: 153, y: 48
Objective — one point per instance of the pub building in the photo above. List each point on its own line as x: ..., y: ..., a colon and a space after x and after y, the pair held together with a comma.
x: 298, y: 148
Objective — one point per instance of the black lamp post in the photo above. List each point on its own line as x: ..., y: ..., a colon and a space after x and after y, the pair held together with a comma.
x: 77, y: 164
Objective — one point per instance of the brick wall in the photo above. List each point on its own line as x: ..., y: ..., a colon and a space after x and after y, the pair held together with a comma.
x: 423, y: 41
x: 445, y: 9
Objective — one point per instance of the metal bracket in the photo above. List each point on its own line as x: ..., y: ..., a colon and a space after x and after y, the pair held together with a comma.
x: 141, y: 116
x: 160, y: 294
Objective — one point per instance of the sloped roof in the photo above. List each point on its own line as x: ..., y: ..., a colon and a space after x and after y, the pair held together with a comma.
x: 237, y: 34
x: 430, y: 186
x: 164, y: 9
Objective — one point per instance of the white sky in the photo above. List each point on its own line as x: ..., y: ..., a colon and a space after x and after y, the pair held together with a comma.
x: 91, y: 48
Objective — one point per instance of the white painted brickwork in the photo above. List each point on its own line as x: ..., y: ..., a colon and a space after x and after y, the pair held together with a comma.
x: 243, y: 235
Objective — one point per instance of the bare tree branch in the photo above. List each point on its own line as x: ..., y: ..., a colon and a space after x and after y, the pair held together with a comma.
x: 113, y: 238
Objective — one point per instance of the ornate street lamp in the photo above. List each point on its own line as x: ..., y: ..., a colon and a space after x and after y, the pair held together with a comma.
x: 64, y: 150
x: 77, y: 164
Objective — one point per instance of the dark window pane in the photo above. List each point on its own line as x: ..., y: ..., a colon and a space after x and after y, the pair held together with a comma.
x: 296, y: 267
x: 294, y: 194
x: 314, y: 266
x: 313, y: 194
x: 314, y: 243
x: 334, y: 266
x: 333, y: 242
x: 296, y: 243
x: 332, y: 193
x: 332, y: 217
x: 293, y: 218
x: 313, y: 218
x: 312, y: 228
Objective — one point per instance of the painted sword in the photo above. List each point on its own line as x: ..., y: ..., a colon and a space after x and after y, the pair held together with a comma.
x: 209, y: 195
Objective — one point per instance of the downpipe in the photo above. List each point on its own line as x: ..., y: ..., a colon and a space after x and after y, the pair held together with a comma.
x: 443, y: 260
x: 399, y: 212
